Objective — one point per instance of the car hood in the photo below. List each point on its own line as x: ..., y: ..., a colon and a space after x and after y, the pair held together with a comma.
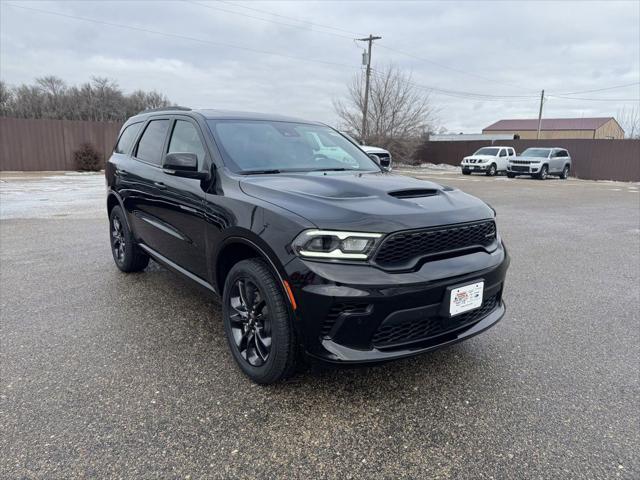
x: 481, y: 157
x: 366, y: 202
x: 370, y: 149
x: 530, y: 159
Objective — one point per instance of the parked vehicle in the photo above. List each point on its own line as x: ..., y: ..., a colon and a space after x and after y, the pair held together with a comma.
x: 312, y: 256
x: 540, y: 163
x: 386, y: 162
x: 488, y: 160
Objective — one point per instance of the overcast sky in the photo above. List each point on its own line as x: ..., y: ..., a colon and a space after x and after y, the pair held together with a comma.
x: 304, y: 55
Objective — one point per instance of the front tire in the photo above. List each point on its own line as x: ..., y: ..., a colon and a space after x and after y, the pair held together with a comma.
x: 126, y: 253
x: 543, y: 174
x: 511, y: 175
x: 257, y: 322
x: 466, y: 172
x: 492, y: 170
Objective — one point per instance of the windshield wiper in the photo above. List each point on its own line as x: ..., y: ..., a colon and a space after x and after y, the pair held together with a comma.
x: 255, y: 172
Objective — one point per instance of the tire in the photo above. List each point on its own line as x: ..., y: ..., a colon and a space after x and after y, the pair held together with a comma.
x: 466, y: 172
x: 126, y: 253
x: 543, y: 174
x: 493, y: 170
x: 510, y: 175
x: 565, y: 172
x: 257, y: 323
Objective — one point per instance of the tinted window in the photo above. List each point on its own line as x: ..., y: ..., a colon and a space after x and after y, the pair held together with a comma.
x: 185, y: 139
x: 127, y: 138
x: 503, y: 153
x: 562, y: 153
x: 152, y: 141
x: 249, y: 145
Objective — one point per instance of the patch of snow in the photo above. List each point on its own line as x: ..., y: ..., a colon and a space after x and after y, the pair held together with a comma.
x: 47, y: 196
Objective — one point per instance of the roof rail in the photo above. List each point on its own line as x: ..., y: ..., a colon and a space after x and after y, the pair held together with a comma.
x: 163, y: 109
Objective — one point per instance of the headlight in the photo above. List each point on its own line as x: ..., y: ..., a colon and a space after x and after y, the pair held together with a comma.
x: 333, y: 244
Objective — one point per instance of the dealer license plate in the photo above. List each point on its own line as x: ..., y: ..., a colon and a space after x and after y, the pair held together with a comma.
x: 466, y: 298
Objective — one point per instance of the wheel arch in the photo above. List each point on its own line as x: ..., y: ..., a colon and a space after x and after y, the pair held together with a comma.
x: 236, y: 248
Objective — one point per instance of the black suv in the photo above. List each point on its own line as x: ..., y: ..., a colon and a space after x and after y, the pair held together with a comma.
x: 312, y: 253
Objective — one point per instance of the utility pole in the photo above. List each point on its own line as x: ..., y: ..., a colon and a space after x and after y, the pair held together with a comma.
x: 369, y: 40
x: 540, y: 114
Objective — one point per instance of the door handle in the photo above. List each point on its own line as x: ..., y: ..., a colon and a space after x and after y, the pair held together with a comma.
x: 160, y: 185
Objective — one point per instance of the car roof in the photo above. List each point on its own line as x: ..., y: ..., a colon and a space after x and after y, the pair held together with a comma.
x: 217, y: 114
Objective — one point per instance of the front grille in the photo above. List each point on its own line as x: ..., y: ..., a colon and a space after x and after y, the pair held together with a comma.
x: 341, y: 309
x: 410, y: 331
x: 401, y: 249
x: 521, y: 162
x: 517, y: 168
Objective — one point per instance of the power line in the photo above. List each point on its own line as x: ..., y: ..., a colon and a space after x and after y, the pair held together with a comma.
x: 597, y: 99
x: 352, y: 34
x: 176, y: 35
x: 266, y: 19
x: 601, y: 89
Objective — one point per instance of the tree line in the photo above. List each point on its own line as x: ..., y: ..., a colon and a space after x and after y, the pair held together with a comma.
x: 99, y: 99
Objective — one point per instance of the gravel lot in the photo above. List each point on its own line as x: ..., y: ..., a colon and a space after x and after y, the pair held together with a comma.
x: 106, y: 375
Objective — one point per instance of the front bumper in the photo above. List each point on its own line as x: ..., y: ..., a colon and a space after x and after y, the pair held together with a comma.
x: 361, y: 314
x: 523, y: 169
x: 474, y: 167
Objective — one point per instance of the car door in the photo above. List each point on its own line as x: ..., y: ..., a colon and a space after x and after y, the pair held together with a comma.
x: 140, y: 176
x: 556, y: 161
x: 178, y: 210
x: 502, y: 159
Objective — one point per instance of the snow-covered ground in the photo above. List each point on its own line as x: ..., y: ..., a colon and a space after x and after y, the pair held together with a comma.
x: 42, y: 195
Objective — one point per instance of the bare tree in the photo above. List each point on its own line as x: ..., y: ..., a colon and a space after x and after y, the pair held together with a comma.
x: 399, y: 116
x: 100, y: 99
x: 629, y: 120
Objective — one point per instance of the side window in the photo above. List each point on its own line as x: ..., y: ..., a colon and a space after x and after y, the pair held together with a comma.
x: 127, y: 138
x: 185, y: 139
x: 152, y: 141
x: 512, y: 152
x: 503, y: 152
x: 563, y: 153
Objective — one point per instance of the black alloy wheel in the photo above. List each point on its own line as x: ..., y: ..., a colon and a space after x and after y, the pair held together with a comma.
x: 258, y: 322
x: 127, y: 256
x: 250, y: 322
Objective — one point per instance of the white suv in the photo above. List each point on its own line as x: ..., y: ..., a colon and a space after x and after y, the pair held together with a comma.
x: 488, y: 160
x: 540, y: 163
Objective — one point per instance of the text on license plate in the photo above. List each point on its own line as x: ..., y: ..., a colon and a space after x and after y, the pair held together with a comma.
x: 466, y: 298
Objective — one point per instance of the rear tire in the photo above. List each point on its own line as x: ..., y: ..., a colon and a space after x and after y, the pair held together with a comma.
x: 565, y: 172
x: 257, y: 323
x: 126, y: 253
x: 493, y: 170
x: 544, y: 173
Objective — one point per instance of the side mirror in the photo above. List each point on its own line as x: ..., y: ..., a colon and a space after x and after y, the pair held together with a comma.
x: 376, y: 159
x: 183, y: 164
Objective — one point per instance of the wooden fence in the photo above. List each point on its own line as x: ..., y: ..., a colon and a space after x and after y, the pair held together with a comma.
x: 43, y: 145
x: 591, y: 159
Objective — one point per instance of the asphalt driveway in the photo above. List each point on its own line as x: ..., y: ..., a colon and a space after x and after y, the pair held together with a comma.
x: 107, y: 375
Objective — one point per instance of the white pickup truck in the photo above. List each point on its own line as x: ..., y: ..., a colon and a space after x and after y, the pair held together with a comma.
x: 488, y: 160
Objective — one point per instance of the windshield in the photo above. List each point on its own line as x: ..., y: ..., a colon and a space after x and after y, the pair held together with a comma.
x: 487, y: 151
x: 536, y: 152
x: 272, y: 147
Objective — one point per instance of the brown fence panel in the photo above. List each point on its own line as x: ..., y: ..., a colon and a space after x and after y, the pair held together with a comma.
x: 42, y: 144
x: 591, y: 159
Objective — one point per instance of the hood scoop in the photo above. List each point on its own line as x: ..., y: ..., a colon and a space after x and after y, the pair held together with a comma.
x: 414, y: 193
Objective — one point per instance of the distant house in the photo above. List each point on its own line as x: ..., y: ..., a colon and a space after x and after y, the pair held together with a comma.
x: 560, y: 128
